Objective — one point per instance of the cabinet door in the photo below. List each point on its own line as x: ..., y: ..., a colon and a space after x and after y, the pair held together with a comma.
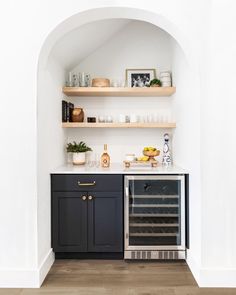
x: 105, y: 222
x: 69, y: 222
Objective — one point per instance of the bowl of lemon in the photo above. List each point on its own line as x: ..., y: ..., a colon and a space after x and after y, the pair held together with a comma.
x: 151, y: 152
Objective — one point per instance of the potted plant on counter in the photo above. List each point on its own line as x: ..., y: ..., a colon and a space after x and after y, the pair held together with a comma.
x: 78, y: 150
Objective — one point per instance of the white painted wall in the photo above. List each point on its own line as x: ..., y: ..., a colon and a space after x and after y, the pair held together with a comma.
x: 50, y: 145
x: 79, y: 43
x: 186, y: 141
x: 218, y: 146
x: 20, y: 48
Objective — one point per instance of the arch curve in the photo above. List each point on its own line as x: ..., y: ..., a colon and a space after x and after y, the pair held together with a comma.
x: 104, y: 13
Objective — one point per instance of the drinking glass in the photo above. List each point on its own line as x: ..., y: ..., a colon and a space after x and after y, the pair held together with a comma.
x: 82, y: 79
x: 133, y: 118
x: 75, y: 80
x: 122, y: 118
x: 114, y: 83
x: 101, y: 119
x: 87, y: 80
x: 150, y: 118
x: 109, y: 119
x: 96, y: 160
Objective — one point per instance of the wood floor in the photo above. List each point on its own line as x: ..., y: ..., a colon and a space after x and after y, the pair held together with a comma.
x: 103, y: 277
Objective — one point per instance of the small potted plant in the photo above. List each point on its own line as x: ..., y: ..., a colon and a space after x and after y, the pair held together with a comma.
x: 78, y: 150
x: 155, y: 83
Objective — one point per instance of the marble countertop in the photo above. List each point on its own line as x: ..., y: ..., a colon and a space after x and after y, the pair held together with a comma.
x: 118, y: 168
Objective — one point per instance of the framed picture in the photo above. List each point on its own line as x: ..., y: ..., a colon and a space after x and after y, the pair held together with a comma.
x: 139, y: 77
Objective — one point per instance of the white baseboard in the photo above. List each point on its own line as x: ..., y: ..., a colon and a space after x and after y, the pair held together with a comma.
x: 19, y: 278
x: 194, y: 266
x: 45, y: 266
x: 26, y: 278
x: 218, y: 278
x: 211, y: 277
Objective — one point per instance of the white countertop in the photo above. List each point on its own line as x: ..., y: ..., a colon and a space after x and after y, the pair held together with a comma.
x: 118, y: 168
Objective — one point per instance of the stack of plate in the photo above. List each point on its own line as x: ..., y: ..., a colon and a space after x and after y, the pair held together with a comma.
x: 165, y: 78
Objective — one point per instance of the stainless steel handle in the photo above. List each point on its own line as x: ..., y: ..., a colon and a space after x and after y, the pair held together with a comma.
x: 86, y: 183
x: 127, y: 191
x: 84, y: 198
x: 90, y: 197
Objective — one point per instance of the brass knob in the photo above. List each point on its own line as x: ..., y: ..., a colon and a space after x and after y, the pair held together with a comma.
x: 84, y: 198
x: 90, y: 197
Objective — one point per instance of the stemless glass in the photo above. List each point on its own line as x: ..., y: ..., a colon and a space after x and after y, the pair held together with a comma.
x: 87, y: 80
x: 96, y: 160
x: 82, y: 79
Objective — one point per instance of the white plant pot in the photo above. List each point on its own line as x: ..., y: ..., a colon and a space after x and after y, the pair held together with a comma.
x: 78, y: 158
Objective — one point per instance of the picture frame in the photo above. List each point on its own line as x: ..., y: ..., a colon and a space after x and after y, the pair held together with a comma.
x: 139, y: 77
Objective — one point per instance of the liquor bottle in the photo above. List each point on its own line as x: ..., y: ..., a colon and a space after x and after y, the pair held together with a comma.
x: 166, y: 159
x: 105, y: 158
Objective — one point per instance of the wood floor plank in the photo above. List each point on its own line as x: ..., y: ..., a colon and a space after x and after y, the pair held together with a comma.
x: 12, y: 291
x: 118, y: 277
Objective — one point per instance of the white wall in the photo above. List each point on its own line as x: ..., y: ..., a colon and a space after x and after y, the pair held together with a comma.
x: 186, y: 141
x: 218, y: 146
x: 18, y: 210
x: 146, y: 46
x: 20, y: 49
x: 50, y: 146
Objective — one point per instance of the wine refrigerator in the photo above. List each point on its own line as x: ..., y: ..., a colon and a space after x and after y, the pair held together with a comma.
x: 154, y: 217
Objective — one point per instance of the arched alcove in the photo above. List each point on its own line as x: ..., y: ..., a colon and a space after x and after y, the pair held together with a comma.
x: 177, y: 55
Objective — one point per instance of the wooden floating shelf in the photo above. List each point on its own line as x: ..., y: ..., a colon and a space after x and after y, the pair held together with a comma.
x: 118, y: 125
x: 119, y: 91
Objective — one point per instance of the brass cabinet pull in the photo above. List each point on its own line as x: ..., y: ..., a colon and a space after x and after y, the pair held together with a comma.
x: 90, y: 197
x: 84, y: 198
x: 86, y: 183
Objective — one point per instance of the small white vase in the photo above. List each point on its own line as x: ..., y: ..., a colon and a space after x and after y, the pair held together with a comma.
x: 78, y: 158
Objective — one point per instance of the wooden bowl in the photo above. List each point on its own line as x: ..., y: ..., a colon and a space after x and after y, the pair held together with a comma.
x: 100, y: 82
x: 151, y: 154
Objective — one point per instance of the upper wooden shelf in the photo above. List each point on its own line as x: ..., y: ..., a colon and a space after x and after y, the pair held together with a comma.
x: 119, y: 91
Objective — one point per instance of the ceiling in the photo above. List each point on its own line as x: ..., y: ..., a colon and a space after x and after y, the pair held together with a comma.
x: 80, y: 43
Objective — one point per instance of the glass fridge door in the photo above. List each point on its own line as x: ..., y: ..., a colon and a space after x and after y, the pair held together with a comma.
x: 154, y: 208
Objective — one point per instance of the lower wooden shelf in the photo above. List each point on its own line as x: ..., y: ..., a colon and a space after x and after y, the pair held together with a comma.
x: 118, y: 125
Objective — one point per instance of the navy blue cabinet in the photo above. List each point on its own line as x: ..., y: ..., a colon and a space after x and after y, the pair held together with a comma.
x: 69, y: 222
x: 87, y: 213
x: 105, y: 222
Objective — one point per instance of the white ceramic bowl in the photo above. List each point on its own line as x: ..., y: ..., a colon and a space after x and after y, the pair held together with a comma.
x: 130, y: 157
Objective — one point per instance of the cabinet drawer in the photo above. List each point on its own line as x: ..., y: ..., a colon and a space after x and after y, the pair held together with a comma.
x: 83, y: 182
